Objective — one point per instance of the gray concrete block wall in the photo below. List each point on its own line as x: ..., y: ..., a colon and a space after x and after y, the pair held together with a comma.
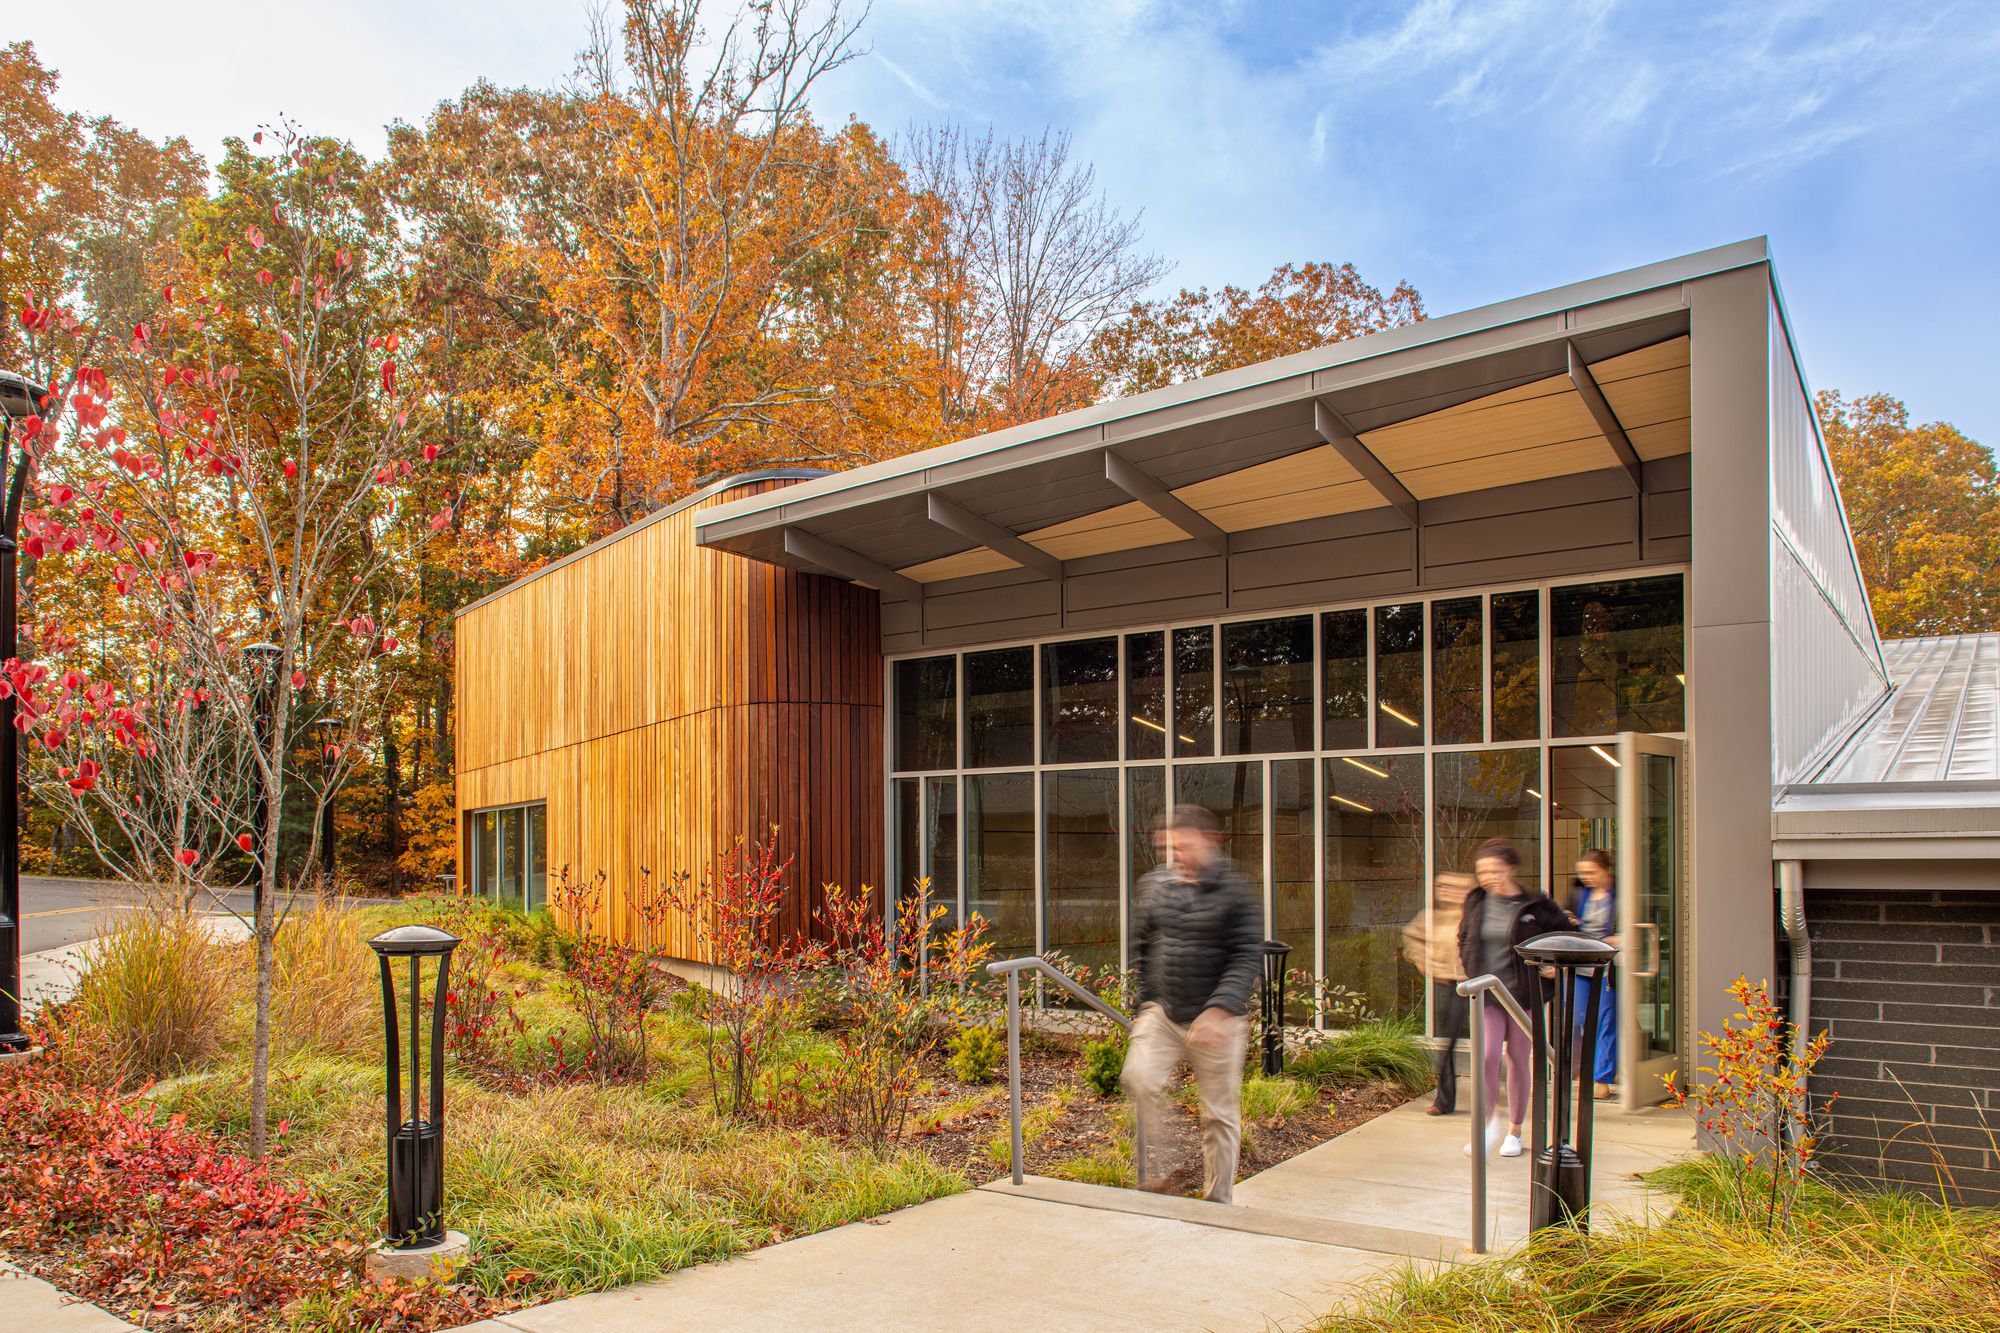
x: 1907, y: 985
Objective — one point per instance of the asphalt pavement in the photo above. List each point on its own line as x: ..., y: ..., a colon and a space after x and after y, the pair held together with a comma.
x: 56, y: 912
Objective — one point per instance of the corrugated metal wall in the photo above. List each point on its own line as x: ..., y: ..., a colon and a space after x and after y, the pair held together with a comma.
x: 1827, y: 667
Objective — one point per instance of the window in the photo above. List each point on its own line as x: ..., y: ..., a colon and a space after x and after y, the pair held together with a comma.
x: 927, y: 714
x: 1080, y: 702
x: 509, y: 856
x: 1618, y: 656
x: 1080, y: 819
x: 1267, y: 686
x: 1292, y: 835
x: 1146, y: 696
x: 1517, y: 661
x: 1344, y: 652
x: 1481, y: 794
x: 1194, y: 691
x: 1000, y: 858
x: 1399, y: 675
x: 1374, y: 841
x: 941, y: 844
x: 1000, y: 708
x: 1458, y: 673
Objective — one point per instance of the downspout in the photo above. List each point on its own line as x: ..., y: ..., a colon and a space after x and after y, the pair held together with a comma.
x: 1792, y: 917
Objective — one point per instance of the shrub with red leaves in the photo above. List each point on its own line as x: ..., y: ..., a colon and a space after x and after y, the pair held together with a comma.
x: 116, y: 1202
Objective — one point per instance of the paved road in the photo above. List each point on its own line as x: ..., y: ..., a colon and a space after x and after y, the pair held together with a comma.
x: 55, y: 912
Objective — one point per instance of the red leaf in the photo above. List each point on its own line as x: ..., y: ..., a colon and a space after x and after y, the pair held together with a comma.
x: 187, y: 857
x: 245, y: 841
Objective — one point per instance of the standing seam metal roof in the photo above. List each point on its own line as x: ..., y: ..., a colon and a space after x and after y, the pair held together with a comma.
x: 1941, y: 724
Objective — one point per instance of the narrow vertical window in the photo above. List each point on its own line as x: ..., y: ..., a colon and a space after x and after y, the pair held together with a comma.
x: 1399, y: 675
x: 1458, y: 673
x: 926, y: 714
x: 1194, y: 691
x: 1267, y: 690
x: 1344, y: 652
x: 1145, y: 696
x: 1080, y: 702
x: 1000, y: 708
x: 1517, y: 666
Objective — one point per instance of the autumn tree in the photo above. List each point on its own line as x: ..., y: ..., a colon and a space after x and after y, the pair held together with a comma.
x: 1026, y: 264
x: 236, y: 459
x: 1923, y: 503
x: 1297, y: 308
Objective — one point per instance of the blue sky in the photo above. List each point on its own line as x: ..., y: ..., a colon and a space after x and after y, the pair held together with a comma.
x: 1479, y: 150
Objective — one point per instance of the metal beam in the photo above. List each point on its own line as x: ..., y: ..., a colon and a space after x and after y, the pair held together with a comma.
x: 851, y: 565
x: 1607, y: 420
x: 1151, y: 493
x: 957, y: 518
x: 1333, y: 428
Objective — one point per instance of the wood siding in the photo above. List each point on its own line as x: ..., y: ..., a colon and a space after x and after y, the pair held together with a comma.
x: 666, y: 700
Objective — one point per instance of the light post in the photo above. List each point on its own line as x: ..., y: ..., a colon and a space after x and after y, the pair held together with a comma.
x: 1559, y: 1186
x: 328, y: 732
x: 415, y: 1234
x: 18, y: 397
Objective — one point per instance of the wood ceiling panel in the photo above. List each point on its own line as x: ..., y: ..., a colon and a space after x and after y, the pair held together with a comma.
x: 1669, y: 355
x: 1120, y: 528
x: 1520, y: 393
x: 1313, y: 483
x: 1508, y: 468
x: 1660, y: 440
x: 1646, y: 399
x: 978, y: 560
x: 1428, y: 442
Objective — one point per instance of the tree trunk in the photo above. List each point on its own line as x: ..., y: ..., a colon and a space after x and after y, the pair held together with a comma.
x: 266, y: 932
x: 392, y: 796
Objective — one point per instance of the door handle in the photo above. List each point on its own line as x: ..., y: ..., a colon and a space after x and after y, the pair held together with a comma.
x: 1652, y: 965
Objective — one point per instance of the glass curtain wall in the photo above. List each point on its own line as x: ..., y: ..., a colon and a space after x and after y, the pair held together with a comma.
x: 1352, y: 755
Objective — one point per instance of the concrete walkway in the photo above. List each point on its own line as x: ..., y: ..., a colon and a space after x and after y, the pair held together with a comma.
x: 1298, y: 1242
x: 28, y: 1303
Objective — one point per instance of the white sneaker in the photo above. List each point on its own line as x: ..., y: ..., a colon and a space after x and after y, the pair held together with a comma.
x: 1511, y: 1147
x: 1493, y: 1132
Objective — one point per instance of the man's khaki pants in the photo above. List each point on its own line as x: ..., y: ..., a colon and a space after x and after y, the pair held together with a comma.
x: 1158, y: 1044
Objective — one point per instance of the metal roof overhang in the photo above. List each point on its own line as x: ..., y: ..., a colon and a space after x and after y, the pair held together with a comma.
x: 896, y: 524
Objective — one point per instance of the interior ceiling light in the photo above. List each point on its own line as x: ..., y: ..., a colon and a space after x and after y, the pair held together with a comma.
x: 1606, y: 756
x: 1366, y: 768
x: 1354, y: 804
x: 1532, y: 792
x: 1400, y: 716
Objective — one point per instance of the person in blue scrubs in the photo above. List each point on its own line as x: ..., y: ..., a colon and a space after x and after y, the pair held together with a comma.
x: 1597, y: 916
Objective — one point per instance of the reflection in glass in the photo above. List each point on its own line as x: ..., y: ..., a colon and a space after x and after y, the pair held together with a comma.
x: 1146, y: 809
x: 941, y: 844
x: 1146, y: 696
x: 1517, y: 666
x: 1583, y: 814
x: 1292, y: 872
x: 1458, y: 672
x: 1234, y: 793
x: 1194, y: 691
x: 1080, y: 702
x: 1080, y: 820
x: 513, y: 863
x: 1000, y: 859
x: 538, y: 857
x: 1000, y: 708
x: 926, y: 714
x: 1481, y: 794
x: 1374, y: 839
x: 1617, y: 657
x: 1658, y: 917
x: 1399, y: 675
x: 485, y: 869
x: 1267, y: 688
x: 1344, y: 649
x: 909, y: 866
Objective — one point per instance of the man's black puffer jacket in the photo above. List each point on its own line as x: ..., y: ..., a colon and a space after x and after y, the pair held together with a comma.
x: 1197, y: 944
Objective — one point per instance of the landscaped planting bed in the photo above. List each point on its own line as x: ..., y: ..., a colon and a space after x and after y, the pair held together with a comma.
x: 592, y: 1138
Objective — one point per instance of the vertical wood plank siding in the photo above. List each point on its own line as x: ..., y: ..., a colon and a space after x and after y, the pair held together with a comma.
x: 666, y: 700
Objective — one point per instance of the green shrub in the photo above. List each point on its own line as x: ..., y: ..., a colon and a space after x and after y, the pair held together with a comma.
x: 976, y: 1053
x: 1103, y: 1063
x: 153, y: 1000
x: 1381, y: 1050
x: 537, y: 937
x: 1273, y: 1098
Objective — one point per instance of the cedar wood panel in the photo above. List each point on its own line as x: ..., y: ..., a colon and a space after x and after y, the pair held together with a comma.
x: 666, y: 700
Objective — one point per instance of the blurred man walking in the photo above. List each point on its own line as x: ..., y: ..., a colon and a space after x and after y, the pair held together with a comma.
x: 1197, y: 947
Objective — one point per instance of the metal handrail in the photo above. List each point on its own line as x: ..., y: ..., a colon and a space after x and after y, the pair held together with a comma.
x: 1476, y: 990
x: 1012, y: 969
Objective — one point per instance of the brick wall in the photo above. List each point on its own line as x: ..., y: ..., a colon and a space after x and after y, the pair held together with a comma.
x: 1908, y: 986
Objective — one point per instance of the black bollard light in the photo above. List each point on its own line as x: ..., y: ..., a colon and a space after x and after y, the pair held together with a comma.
x: 1559, y: 1188
x: 416, y: 1143
x: 1273, y: 1003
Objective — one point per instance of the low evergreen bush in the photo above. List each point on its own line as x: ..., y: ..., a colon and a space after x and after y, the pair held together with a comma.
x: 976, y: 1053
x: 1103, y: 1063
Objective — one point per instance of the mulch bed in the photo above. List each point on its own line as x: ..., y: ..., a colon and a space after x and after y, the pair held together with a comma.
x: 957, y: 1124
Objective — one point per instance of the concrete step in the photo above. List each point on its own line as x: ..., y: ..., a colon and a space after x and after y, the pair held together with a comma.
x: 1347, y: 1235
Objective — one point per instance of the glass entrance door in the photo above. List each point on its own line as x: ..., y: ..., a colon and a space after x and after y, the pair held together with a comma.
x: 1651, y: 900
